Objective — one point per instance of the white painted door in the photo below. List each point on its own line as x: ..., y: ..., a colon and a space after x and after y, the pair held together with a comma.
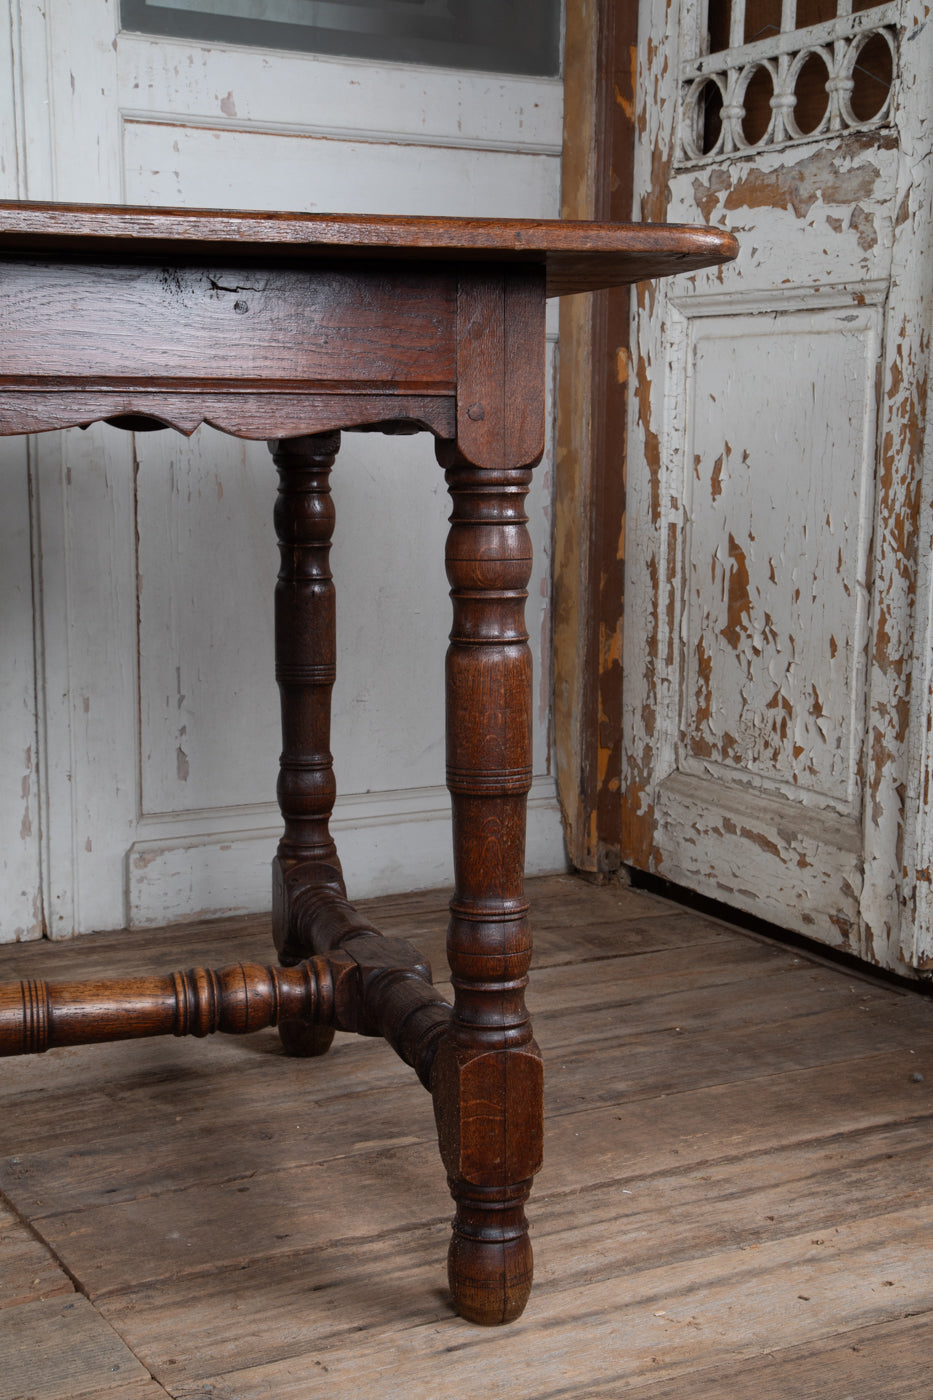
x: 157, y: 718
x: 778, y: 528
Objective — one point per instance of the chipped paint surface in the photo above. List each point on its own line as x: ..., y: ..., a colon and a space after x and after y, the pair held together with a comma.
x: 779, y: 519
x: 824, y: 176
x: 781, y: 523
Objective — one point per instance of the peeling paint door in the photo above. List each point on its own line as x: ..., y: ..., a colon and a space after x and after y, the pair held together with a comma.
x: 158, y: 718
x: 778, y: 527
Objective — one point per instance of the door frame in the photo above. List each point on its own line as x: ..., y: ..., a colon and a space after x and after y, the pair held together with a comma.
x: 600, y: 51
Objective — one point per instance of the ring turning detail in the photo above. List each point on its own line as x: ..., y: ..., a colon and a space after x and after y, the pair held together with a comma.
x: 356, y: 324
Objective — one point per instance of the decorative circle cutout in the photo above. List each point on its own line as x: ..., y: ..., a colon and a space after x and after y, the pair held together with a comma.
x: 809, y: 80
x: 872, y: 72
x: 755, y: 97
x: 738, y: 103
x: 703, y: 118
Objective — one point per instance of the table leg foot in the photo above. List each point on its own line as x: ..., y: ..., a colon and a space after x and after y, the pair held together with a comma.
x: 489, y: 1264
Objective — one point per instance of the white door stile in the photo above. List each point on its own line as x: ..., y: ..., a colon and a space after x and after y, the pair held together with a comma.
x: 19, y: 818
x: 25, y: 165
x: 86, y: 544
x: 19, y: 760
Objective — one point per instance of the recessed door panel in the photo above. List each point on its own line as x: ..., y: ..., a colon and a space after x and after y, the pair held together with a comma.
x: 778, y: 507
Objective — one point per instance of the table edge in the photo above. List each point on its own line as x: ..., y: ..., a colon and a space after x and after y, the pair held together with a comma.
x: 576, y: 255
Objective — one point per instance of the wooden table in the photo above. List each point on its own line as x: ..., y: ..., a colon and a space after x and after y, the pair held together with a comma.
x: 291, y: 328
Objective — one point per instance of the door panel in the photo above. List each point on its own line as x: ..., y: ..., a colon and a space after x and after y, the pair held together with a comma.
x: 764, y: 665
x: 774, y: 514
x: 209, y: 167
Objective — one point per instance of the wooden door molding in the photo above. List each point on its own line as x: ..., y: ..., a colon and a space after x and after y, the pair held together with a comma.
x: 589, y: 511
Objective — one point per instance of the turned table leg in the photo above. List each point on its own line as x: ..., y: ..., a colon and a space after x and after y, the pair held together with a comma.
x: 488, y: 1080
x: 488, y: 1076
x: 305, y: 668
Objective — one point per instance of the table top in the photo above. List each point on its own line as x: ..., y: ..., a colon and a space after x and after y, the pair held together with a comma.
x: 577, y: 257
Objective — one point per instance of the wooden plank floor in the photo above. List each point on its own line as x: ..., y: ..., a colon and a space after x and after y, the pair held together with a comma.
x: 737, y: 1201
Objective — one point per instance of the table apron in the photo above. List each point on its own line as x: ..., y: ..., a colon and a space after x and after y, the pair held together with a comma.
x: 189, y: 325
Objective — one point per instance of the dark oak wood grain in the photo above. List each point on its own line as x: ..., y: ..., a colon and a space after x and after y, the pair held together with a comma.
x: 577, y: 256
x: 244, y: 411
x: 330, y: 328
x: 292, y: 327
x: 489, y: 1076
x: 36, y: 1016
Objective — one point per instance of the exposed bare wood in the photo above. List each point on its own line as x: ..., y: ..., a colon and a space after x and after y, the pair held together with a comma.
x: 589, y: 501
x: 29, y: 1271
x: 62, y: 1349
x: 573, y: 485
x: 890, y: 1360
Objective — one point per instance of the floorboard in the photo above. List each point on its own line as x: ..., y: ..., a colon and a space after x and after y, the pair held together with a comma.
x: 890, y: 1362
x: 737, y: 1198
x: 29, y: 1271
x: 62, y: 1349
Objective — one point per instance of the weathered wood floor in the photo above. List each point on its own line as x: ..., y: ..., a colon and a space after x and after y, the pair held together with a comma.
x: 737, y: 1202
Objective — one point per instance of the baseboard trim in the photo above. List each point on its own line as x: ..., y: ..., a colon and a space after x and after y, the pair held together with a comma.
x: 389, y: 842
